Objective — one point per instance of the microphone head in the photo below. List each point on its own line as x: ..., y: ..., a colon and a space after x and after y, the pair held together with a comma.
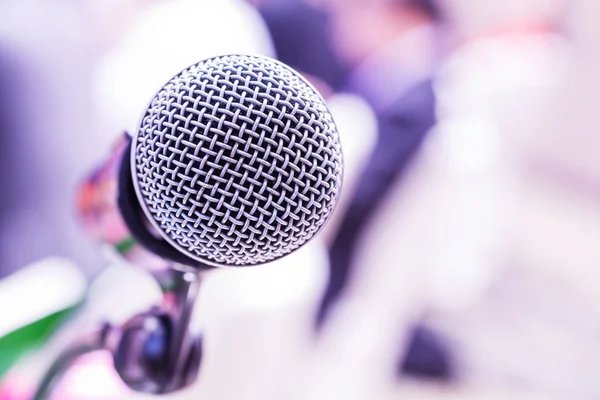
x: 237, y: 161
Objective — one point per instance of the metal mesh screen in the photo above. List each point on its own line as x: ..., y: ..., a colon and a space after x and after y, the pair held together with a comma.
x: 237, y: 161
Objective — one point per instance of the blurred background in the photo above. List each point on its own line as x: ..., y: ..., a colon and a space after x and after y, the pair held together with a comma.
x: 463, y: 260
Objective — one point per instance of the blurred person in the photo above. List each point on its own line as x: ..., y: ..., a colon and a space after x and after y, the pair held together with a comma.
x: 487, y: 237
x: 392, y: 48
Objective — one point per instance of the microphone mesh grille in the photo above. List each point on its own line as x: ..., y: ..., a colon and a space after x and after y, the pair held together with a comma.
x: 237, y: 161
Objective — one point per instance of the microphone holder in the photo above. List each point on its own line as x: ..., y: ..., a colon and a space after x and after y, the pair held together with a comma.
x: 153, y: 352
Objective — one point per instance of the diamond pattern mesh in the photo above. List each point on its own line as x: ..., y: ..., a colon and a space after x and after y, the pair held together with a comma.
x: 237, y: 161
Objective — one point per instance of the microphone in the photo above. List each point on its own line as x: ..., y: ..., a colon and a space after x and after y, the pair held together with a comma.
x: 236, y: 162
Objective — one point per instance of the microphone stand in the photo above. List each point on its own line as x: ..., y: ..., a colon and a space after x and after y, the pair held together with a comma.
x: 90, y: 343
x: 154, y: 352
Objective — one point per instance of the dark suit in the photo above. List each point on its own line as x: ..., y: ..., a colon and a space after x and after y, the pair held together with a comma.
x: 299, y: 34
x: 402, y: 129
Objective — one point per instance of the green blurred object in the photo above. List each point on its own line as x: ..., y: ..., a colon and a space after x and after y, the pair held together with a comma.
x: 30, y: 337
x: 126, y: 245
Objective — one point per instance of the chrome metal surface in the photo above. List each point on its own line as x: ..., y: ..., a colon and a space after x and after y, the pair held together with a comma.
x: 237, y: 161
x: 154, y: 351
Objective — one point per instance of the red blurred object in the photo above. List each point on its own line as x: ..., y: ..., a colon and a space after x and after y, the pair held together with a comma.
x: 98, y: 209
x: 97, y: 199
